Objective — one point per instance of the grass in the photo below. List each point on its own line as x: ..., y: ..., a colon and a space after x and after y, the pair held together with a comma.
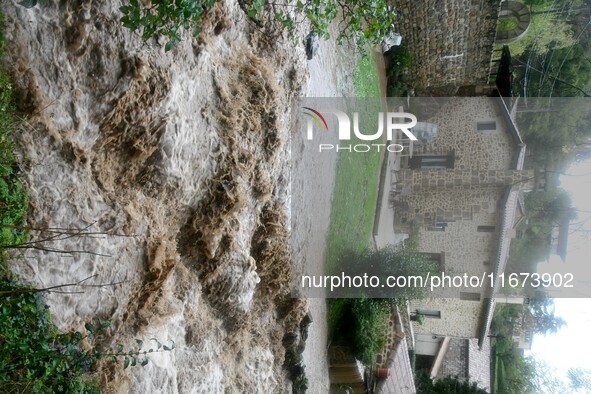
x: 352, y: 216
x: 360, y: 323
x: 355, y: 193
x: 507, y: 24
x: 365, y: 80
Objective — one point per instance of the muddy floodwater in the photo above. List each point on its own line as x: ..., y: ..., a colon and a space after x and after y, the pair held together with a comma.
x: 196, y: 197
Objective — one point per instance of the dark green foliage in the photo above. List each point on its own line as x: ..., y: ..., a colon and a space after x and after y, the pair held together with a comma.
x: 362, y: 323
x: 362, y: 21
x: 13, y: 196
x: 13, y: 208
x: 513, y: 372
x: 400, y: 60
x: 165, y: 17
x: 447, y: 385
x: 34, y: 357
x: 389, y: 261
x: 401, y: 57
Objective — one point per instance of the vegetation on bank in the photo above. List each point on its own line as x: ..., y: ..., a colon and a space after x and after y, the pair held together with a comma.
x: 362, y: 322
x: 359, y: 22
x: 512, y: 370
x: 355, y: 192
x: 34, y: 356
x: 399, y: 60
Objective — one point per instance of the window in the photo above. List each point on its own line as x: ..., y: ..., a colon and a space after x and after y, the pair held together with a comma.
x: 486, y: 229
x: 429, y: 313
x: 439, y: 226
x: 437, y: 258
x: 469, y: 296
x: 486, y: 126
x: 432, y: 161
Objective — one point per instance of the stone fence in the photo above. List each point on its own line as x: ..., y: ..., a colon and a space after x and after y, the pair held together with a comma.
x: 451, y: 42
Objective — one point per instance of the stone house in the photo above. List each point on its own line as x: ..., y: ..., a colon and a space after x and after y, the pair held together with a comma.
x: 460, y: 194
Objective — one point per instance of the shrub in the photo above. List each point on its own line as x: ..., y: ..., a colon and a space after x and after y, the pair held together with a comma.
x: 13, y: 195
x: 164, y: 17
x: 362, y: 21
x: 401, y: 57
x: 400, y: 61
x: 389, y: 261
x: 34, y: 356
x: 362, y: 324
x: 449, y: 384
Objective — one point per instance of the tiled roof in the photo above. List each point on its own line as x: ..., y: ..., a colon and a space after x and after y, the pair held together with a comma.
x: 510, y: 204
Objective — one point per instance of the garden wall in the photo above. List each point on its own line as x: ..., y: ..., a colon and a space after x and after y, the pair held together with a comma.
x: 451, y: 42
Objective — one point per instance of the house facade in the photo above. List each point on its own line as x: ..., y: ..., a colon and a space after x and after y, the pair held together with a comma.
x: 460, y: 194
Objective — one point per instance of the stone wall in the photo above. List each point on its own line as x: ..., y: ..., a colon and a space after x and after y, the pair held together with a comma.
x: 479, y: 363
x: 455, y: 362
x: 394, y: 335
x: 457, y: 121
x: 483, y: 166
x: 451, y: 41
x: 459, y: 318
x: 446, y: 206
x: 466, y: 361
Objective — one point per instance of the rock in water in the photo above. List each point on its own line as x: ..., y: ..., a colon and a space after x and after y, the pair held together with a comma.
x: 311, y: 45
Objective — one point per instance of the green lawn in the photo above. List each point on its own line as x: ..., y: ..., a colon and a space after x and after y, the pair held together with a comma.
x: 366, y: 79
x: 498, y: 373
x: 356, y: 184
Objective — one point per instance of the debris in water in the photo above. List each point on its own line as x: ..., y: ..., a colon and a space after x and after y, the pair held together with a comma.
x: 311, y: 45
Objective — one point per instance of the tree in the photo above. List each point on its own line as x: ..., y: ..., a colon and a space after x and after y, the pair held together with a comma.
x: 542, y: 310
x: 545, y: 33
x: 580, y: 379
x: 360, y: 21
x: 544, y: 379
x: 515, y: 373
x: 403, y: 262
x: 543, y: 212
